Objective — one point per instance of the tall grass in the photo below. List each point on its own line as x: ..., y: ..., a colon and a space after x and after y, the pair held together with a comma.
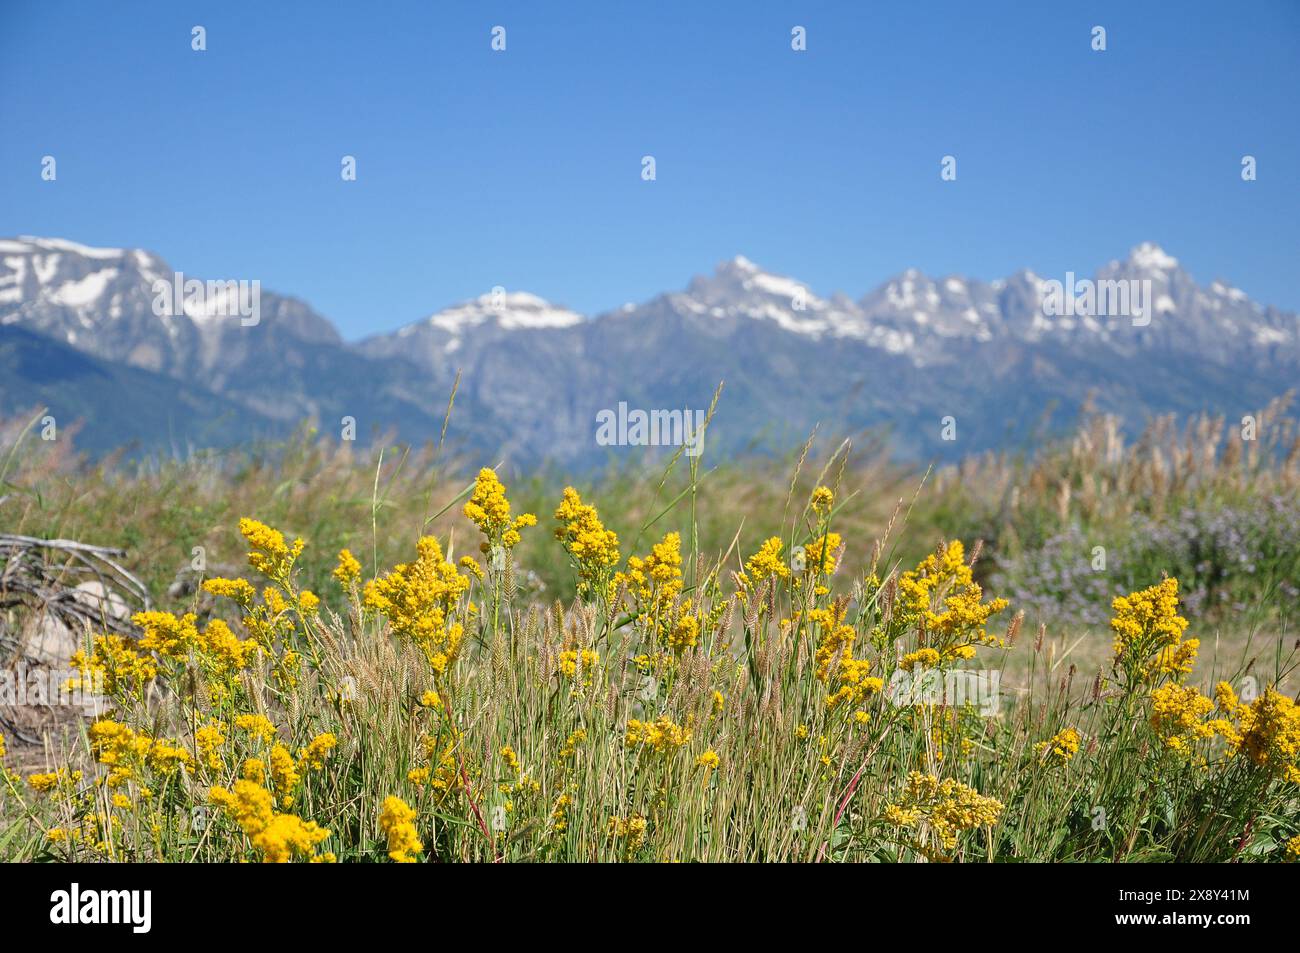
x: 1193, y: 500
x: 773, y: 678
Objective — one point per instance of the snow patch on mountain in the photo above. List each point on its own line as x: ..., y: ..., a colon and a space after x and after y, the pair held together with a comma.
x: 62, y: 244
x: 511, y: 311
x: 81, y: 292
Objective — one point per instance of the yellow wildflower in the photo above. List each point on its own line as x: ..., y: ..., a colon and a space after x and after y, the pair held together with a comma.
x: 941, y: 598
x: 510, y: 758
x: 632, y: 832
x: 208, y: 740
x: 849, y: 678
x: 165, y: 634
x: 268, y: 552
x: 313, y: 756
x: 1061, y: 747
x: 420, y: 601
x: 822, y: 500
x: 944, y: 808
x: 1267, y: 731
x: 819, y: 555
x: 348, y: 571
x: 662, y: 736
x: 259, y: 726
x: 284, y: 774
x: 166, y: 758
x: 593, y: 547
x: 1147, y: 623
x: 113, y: 666
x: 489, y: 510
x: 287, y: 837
x: 576, y: 738
x: 397, y: 821
x: 572, y: 660
x: 765, y: 564
x: 224, y: 653
x: 1178, y: 715
x: 431, y: 699
x: 923, y: 657
x: 58, y: 779
x: 278, y: 837
x: 240, y: 590
x: 655, y: 580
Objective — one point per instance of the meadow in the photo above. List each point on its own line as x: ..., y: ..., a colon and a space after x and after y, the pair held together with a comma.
x: 1081, y: 654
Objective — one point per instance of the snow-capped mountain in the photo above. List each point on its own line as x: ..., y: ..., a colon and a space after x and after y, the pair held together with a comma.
x: 534, y: 373
x: 104, y: 301
x: 435, y: 341
x: 739, y: 289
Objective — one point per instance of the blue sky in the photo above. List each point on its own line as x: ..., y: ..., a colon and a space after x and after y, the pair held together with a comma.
x: 522, y: 168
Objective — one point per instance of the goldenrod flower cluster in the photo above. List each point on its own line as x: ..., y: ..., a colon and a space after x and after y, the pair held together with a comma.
x: 823, y: 498
x: 820, y: 554
x: 397, y: 821
x: 1178, y: 715
x: 767, y: 563
x: 489, y: 510
x: 1148, y: 633
x: 944, y: 808
x: 941, y: 597
x: 60, y: 779
x: 836, y: 666
x: 573, y: 661
x: 113, y: 666
x: 1061, y: 747
x: 420, y: 602
x: 594, y: 548
x: 654, y: 583
x: 655, y: 580
x: 129, y: 753
x: 662, y: 736
x: 630, y: 831
x: 268, y: 552
x: 922, y: 658
x: 1267, y: 731
x: 279, y: 838
x: 347, y: 572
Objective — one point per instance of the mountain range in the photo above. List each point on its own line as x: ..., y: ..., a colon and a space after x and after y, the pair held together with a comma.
x: 82, y: 334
